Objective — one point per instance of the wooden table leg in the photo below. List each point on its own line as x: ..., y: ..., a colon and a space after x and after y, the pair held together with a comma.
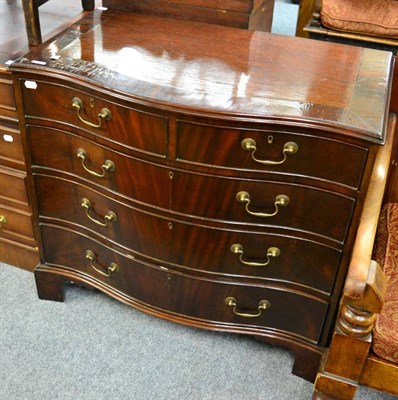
x: 305, y: 12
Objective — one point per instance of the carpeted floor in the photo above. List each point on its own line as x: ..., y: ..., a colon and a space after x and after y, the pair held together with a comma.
x: 92, y: 347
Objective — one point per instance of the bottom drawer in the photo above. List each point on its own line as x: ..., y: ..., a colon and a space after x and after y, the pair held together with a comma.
x: 192, y: 296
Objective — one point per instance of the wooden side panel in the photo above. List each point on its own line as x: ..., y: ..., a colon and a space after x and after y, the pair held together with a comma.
x: 380, y: 374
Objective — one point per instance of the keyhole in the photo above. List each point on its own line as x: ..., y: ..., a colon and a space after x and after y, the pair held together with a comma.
x: 270, y: 139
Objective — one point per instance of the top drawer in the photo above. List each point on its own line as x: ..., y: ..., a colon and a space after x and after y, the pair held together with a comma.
x: 132, y: 128
x: 7, y: 100
x: 271, y: 152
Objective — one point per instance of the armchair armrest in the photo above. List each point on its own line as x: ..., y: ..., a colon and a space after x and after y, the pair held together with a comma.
x: 365, y: 285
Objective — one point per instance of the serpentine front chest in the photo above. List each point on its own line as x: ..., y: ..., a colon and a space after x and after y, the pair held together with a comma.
x: 186, y: 170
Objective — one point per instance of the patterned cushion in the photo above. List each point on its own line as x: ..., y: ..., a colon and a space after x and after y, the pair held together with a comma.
x: 385, y: 333
x: 369, y: 17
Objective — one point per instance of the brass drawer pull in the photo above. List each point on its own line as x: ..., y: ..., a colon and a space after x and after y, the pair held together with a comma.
x: 111, y: 269
x: 108, y: 166
x: 272, y: 252
x: 110, y: 216
x: 105, y: 114
x: 262, y: 305
x: 280, y: 201
x: 289, y: 148
x: 3, y: 220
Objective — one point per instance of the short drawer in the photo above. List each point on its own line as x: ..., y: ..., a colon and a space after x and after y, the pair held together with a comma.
x: 132, y: 128
x: 11, y: 153
x: 7, y: 100
x: 97, y: 214
x: 15, y: 222
x: 261, y: 255
x: 141, y: 181
x: 271, y: 152
x: 267, y: 203
x: 194, y: 297
x: 13, y: 186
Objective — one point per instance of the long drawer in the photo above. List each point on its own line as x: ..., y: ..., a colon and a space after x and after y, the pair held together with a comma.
x: 99, y: 215
x: 271, y: 151
x: 141, y: 181
x: 186, y: 295
x: 257, y: 254
x: 269, y: 203
x: 131, y: 128
x: 194, y: 247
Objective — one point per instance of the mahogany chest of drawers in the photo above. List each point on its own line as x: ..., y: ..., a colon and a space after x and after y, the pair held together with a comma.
x: 203, y: 184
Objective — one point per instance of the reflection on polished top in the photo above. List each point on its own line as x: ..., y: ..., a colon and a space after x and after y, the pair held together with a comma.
x: 204, y: 67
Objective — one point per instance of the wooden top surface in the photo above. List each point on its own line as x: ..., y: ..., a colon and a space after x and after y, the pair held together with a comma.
x: 224, y: 71
x: 56, y: 15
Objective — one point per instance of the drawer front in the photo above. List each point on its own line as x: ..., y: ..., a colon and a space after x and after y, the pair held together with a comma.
x: 307, y: 209
x: 143, y: 233
x: 140, y: 181
x: 233, y: 148
x: 13, y: 187
x: 15, y: 222
x: 7, y: 100
x: 193, y: 297
x: 130, y: 128
x: 254, y: 255
x: 11, y: 148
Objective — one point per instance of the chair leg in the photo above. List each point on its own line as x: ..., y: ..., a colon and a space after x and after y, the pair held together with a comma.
x: 32, y: 22
x: 88, y: 5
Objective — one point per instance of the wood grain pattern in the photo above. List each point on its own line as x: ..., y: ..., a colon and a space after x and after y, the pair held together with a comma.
x: 221, y: 146
x: 363, y: 296
x: 255, y: 69
x: 357, y: 277
x: 309, y: 210
x: 177, y: 193
x: 139, y: 129
x: 255, y: 15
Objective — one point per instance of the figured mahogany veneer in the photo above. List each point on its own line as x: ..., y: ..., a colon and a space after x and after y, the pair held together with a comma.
x: 17, y: 243
x: 166, y: 227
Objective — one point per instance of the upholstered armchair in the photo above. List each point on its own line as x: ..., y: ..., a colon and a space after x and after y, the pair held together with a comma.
x: 369, y: 23
x: 364, y: 346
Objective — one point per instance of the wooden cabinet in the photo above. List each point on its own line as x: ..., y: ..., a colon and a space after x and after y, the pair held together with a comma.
x: 202, y: 184
x: 246, y: 14
x: 17, y: 244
